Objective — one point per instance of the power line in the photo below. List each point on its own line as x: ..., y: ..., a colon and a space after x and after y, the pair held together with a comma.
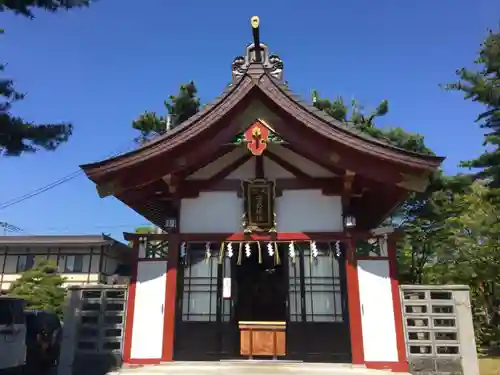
x: 41, y: 190
x: 52, y: 185
x: 9, y: 228
x: 104, y: 226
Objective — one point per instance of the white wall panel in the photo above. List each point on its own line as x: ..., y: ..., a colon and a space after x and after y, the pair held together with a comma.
x: 147, y: 329
x: 308, y: 211
x: 212, y: 212
x: 377, y: 311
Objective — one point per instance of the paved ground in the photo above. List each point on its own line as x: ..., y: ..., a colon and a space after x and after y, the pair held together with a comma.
x: 247, y: 368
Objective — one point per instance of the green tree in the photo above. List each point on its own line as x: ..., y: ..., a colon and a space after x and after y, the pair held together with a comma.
x: 41, y: 287
x: 483, y: 86
x: 143, y: 230
x: 422, y: 216
x: 472, y: 257
x: 355, y: 115
x: 18, y: 136
x: 179, y: 108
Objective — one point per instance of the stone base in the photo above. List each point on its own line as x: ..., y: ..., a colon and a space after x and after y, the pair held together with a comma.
x: 435, y: 365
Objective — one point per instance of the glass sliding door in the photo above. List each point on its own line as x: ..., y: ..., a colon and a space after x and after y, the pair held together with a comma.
x: 318, y: 316
x: 203, y: 316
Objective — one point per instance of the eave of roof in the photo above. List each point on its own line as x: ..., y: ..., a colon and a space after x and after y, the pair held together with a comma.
x: 335, y: 124
x: 68, y: 240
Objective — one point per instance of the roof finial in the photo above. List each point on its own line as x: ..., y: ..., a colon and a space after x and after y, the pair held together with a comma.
x: 257, y: 52
x: 255, y: 22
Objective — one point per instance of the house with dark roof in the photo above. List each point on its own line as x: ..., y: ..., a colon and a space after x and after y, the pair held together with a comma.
x: 81, y: 259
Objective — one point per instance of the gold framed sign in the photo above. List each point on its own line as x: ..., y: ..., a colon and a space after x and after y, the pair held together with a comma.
x: 258, y: 211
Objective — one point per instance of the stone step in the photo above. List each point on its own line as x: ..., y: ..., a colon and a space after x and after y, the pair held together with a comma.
x: 248, y: 367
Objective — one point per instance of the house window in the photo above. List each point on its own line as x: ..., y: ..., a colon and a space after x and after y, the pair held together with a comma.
x: 25, y: 262
x: 70, y: 263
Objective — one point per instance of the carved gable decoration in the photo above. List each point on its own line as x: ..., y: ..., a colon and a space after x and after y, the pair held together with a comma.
x: 259, y: 206
x: 256, y: 137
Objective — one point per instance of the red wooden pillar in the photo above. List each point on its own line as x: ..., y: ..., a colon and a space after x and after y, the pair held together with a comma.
x: 129, y: 322
x: 402, y: 365
x: 170, y: 297
x: 356, y: 330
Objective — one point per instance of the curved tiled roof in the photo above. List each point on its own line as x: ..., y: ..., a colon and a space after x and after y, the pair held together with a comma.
x: 256, y: 78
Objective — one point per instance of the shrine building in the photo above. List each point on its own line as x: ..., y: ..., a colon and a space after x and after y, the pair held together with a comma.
x: 273, y: 244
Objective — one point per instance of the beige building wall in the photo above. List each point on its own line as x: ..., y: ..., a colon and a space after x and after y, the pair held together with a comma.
x: 79, y: 265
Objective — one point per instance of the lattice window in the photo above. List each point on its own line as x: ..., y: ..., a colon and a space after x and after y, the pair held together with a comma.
x: 294, y: 291
x: 199, y: 300
x: 156, y: 249
x: 372, y: 247
x: 322, y: 284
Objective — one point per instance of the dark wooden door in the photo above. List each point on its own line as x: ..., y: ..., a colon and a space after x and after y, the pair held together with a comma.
x: 205, y: 327
x: 318, y: 324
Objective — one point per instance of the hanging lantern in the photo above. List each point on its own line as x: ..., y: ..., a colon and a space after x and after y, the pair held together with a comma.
x: 349, y: 221
x: 170, y: 223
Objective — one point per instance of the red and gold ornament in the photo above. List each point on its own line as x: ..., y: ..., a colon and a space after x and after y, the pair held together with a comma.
x: 256, y: 137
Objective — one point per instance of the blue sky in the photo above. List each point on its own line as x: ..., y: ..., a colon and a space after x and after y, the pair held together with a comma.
x: 101, y: 67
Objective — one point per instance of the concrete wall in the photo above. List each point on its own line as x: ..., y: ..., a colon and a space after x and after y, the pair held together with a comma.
x: 94, y: 324
x: 439, y: 333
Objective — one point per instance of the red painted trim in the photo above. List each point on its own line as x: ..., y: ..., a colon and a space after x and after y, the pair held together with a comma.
x: 170, y: 297
x: 356, y: 329
x: 143, y: 361
x: 367, y: 257
x: 279, y: 236
x: 129, y: 319
x: 396, y: 300
x: 151, y: 260
x: 391, y: 366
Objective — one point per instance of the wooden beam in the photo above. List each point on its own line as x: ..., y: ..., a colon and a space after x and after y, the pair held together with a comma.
x: 224, y: 172
x: 315, y: 159
x: 297, y: 172
x: 223, y: 150
x: 348, y: 181
x: 259, y: 167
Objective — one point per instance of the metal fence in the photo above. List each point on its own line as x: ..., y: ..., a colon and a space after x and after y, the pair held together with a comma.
x: 94, y: 325
x: 439, y: 333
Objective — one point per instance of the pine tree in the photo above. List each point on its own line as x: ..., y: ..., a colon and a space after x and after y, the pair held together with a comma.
x: 355, y: 115
x: 179, y: 108
x: 41, y: 287
x: 483, y: 86
x: 18, y: 136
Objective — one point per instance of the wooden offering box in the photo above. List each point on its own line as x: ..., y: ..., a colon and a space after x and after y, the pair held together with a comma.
x: 262, y: 339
